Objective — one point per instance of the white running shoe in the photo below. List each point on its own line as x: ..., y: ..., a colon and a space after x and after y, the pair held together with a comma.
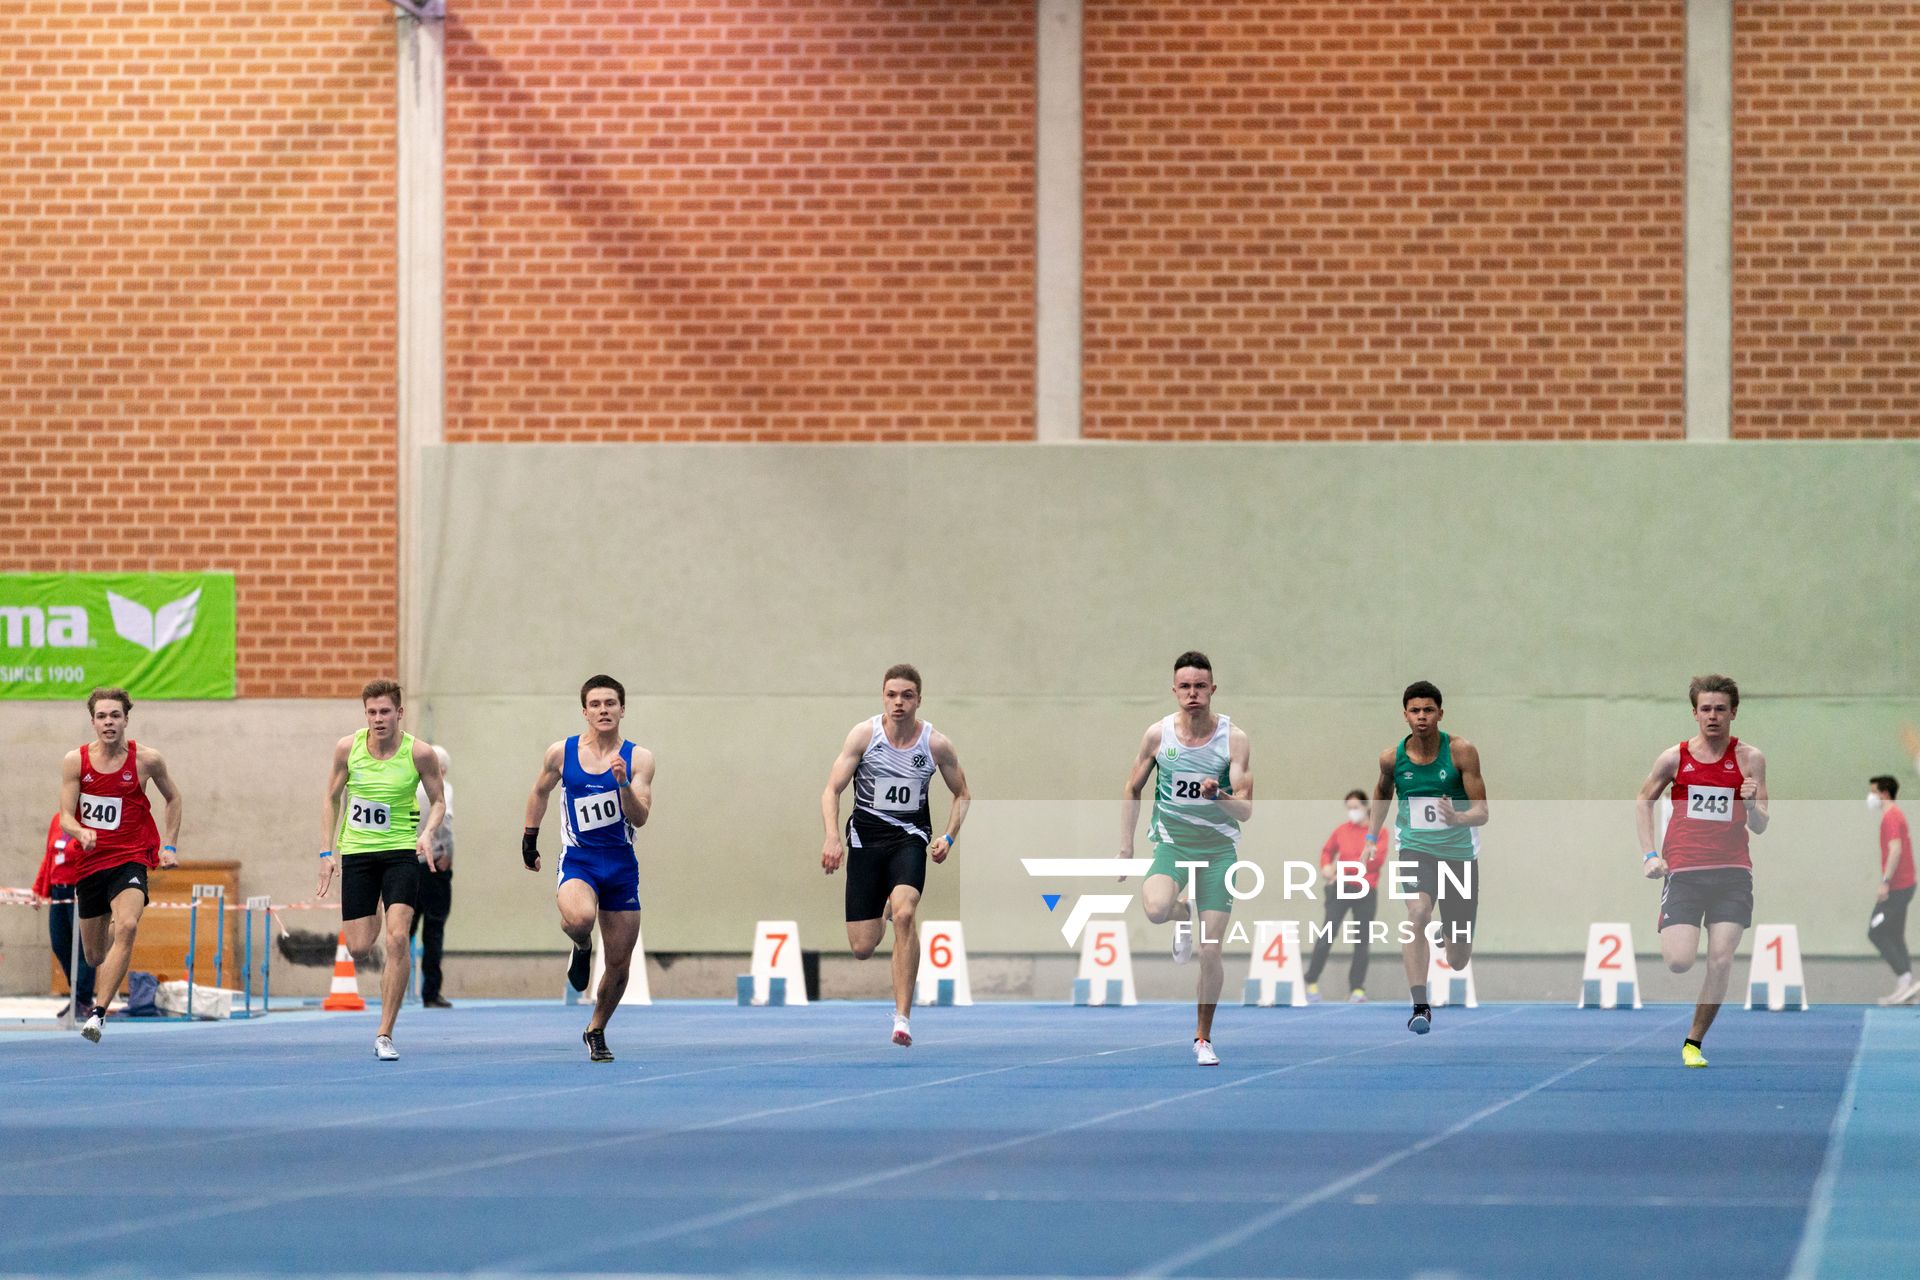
x: 1358, y: 996
x: 1903, y: 991
x: 1182, y: 940
x: 91, y: 1028
x: 383, y: 1049
x: 1913, y: 994
x: 1204, y: 1055
x: 901, y: 1035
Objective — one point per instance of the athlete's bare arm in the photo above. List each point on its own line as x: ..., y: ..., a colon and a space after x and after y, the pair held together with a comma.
x: 1382, y: 796
x: 1664, y: 771
x: 948, y: 762
x: 427, y: 765
x: 1143, y: 767
x: 336, y: 787
x: 1466, y: 758
x: 70, y: 801
x: 832, y: 851
x: 636, y: 793
x: 1753, y: 788
x: 152, y: 764
x: 1237, y: 801
x: 544, y: 782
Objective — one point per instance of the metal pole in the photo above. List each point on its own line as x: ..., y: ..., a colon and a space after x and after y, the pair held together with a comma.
x: 193, y: 944
x: 73, y: 967
x: 246, y: 965
x: 220, y: 937
x: 266, y: 964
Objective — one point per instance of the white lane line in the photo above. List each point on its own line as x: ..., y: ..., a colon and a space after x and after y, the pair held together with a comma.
x: 206, y: 1138
x: 1300, y: 1204
x: 175, y: 1218
x: 1813, y: 1236
x: 770, y: 1204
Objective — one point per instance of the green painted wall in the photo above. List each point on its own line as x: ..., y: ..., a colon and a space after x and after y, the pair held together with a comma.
x: 1560, y: 595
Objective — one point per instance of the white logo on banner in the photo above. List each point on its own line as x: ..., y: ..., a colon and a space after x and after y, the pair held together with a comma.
x: 26, y: 626
x: 153, y: 631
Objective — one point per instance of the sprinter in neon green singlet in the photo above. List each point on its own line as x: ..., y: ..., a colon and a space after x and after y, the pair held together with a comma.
x: 1442, y: 805
x: 1203, y: 793
x: 382, y: 840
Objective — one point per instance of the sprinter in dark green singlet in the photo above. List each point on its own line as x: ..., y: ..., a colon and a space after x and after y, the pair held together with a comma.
x: 1442, y: 806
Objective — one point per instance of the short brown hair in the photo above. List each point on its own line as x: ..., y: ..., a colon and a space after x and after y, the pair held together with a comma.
x: 902, y: 671
x: 381, y: 688
x: 603, y: 682
x: 1713, y: 684
x: 109, y: 694
x: 1195, y: 659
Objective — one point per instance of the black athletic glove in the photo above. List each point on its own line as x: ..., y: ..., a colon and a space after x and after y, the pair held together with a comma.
x: 530, y: 847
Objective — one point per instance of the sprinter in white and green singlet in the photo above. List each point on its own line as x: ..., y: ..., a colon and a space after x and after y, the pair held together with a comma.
x: 382, y: 840
x: 1203, y: 792
x: 1442, y: 805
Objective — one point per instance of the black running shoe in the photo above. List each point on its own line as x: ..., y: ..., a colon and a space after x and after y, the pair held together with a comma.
x: 596, y: 1042
x: 580, y: 969
x: 1422, y: 1020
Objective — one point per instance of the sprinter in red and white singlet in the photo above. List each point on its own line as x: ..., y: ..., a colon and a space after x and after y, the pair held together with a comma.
x: 1719, y: 797
x: 103, y: 806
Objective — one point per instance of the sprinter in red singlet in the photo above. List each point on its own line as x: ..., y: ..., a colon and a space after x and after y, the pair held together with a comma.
x: 103, y: 806
x: 1719, y: 796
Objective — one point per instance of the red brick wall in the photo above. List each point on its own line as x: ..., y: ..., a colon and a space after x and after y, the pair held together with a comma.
x: 718, y: 220
x: 1826, y: 180
x: 196, y: 313
x: 1325, y: 221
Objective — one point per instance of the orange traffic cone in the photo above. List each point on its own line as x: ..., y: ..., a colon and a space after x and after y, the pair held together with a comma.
x: 345, y: 992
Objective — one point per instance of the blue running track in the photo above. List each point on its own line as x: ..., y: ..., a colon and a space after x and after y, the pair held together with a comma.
x: 1517, y: 1141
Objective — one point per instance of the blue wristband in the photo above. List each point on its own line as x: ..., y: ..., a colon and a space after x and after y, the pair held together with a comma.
x: 326, y: 853
x: 167, y: 848
x: 1650, y: 856
x: 947, y: 838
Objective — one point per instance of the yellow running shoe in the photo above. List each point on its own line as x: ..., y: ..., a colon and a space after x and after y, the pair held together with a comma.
x: 1692, y: 1057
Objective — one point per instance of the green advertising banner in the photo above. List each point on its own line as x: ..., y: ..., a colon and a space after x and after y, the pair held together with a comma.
x: 156, y: 635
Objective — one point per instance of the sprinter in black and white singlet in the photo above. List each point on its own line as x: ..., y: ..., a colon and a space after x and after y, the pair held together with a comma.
x: 890, y: 760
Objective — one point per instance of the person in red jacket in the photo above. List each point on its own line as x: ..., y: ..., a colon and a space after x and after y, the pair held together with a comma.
x: 103, y: 806
x: 1347, y: 847
x: 1887, y: 928
x: 55, y: 884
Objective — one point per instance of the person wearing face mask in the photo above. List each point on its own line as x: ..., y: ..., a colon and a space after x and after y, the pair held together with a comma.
x: 1347, y: 851
x: 1887, y: 927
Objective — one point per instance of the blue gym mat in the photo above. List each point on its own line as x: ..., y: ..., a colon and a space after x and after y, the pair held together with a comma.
x: 1518, y: 1141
